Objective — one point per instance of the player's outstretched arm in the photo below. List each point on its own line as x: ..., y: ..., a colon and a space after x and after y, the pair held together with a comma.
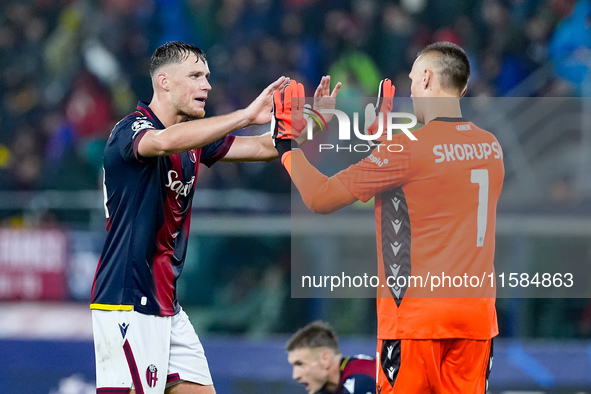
x: 185, y: 136
x: 252, y: 148
x: 261, y: 148
x: 320, y: 193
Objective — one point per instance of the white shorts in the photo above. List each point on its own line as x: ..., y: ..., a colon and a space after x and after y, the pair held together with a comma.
x: 146, y: 353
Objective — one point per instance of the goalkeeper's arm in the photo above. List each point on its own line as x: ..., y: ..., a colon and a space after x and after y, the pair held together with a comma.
x: 320, y: 193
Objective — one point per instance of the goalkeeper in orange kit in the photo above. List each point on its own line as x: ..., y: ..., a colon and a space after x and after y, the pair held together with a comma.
x: 435, y: 207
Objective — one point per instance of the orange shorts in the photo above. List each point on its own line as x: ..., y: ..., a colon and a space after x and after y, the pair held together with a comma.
x: 436, y: 366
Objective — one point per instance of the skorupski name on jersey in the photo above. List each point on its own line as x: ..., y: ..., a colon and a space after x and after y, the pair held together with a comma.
x: 479, y: 151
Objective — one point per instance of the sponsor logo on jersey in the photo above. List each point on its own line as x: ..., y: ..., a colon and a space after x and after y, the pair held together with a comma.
x: 176, y: 185
x: 377, y: 161
x: 123, y: 327
x: 391, y: 371
x: 463, y: 127
x: 152, y: 375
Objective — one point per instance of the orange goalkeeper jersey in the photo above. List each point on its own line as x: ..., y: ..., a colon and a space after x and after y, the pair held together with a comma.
x: 435, y: 211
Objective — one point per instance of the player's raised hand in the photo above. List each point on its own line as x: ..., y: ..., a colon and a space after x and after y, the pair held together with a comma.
x: 259, y: 111
x: 383, y: 105
x: 323, y: 98
x: 288, y: 116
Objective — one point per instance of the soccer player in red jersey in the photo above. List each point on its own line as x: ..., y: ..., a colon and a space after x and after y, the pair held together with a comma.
x: 317, y: 362
x: 435, y: 211
x: 144, y: 342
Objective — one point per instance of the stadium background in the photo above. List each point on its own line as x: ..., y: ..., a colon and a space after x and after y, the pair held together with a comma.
x: 70, y: 69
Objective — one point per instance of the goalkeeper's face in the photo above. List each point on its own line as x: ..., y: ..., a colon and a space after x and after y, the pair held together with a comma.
x: 309, y: 368
x: 188, y: 87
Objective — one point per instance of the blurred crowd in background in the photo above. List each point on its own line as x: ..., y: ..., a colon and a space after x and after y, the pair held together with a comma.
x: 70, y: 69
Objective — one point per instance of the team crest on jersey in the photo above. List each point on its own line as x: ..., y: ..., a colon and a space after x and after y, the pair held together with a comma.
x: 142, y: 124
x: 152, y: 375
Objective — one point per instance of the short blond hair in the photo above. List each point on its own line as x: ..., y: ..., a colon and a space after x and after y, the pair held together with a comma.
x: 315, y: 335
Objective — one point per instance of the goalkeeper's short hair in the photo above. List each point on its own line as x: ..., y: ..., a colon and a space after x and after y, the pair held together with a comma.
x: 454, y: 67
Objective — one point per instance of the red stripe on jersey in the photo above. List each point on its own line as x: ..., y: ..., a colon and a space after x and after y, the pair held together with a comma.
x: 136, y: 144
x: 163, y: 275
x: 187, y: 222
x: 173, y: 215
x: 358, y: 366
x: 135, y: 376
x: 98, y: 266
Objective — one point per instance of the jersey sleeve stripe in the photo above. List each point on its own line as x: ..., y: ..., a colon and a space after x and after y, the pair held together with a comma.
x: 173, y: 377
x: 221, y: 151
x: 136, y: 143
x: 110, y: 307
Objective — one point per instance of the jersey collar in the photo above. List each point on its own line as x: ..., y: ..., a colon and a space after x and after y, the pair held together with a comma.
x: 145, y: 110
x: 445, y: 119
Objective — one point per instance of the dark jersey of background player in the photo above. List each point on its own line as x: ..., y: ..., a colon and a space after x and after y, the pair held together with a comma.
x: 357, y: 376
x: 148, y: 204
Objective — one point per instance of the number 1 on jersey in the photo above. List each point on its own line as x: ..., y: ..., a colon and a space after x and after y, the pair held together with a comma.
x: 481, y: 177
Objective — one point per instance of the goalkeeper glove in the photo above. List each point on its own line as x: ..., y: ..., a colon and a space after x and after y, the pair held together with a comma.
x: 288, y: 117
x: 383, y: 105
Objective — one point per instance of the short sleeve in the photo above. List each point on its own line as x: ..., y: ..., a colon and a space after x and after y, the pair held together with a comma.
x: 127, y: 135
x: 215, y: 151
x: 388, y: 166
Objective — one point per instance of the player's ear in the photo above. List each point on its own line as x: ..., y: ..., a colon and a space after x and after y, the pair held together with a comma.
x: 162, y: 80
x: 326, y: 358
x: 427, y: 80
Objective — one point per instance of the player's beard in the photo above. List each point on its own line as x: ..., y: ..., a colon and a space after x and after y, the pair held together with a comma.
x: 191, y: 112
x: 187, y: 109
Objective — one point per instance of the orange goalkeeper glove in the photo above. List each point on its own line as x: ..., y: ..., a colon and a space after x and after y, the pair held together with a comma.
x: 384, y: 105
x: 288, y: 117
